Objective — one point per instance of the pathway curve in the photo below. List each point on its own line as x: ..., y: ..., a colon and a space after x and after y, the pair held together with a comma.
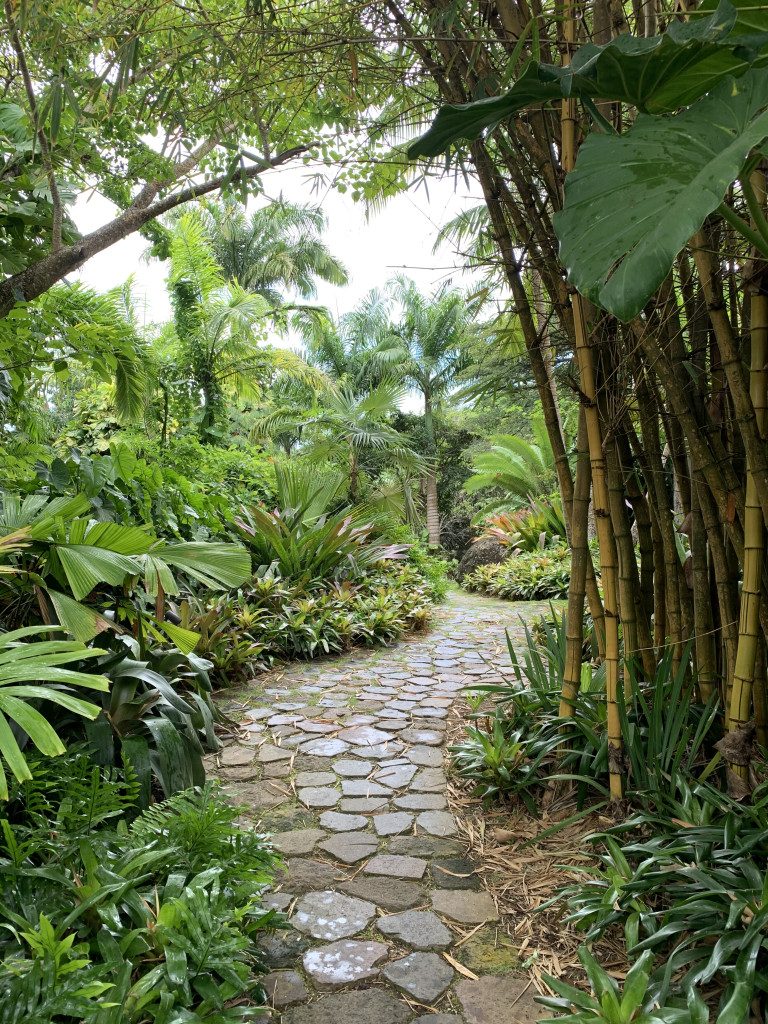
x: 343, y: 760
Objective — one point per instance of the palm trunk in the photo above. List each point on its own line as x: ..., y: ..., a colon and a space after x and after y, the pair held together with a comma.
x: 433, y: 518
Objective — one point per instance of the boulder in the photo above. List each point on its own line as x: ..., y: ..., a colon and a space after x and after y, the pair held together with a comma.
x: 486, y: 551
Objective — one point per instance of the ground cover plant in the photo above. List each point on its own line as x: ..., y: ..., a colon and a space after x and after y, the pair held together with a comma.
x: 114, y: 914
x: 526, y: 576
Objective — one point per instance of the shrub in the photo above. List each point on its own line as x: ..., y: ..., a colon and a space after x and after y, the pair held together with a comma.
x: 117, y: 921
x: 525, y: 577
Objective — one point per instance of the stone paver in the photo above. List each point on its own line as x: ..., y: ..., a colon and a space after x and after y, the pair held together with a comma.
x: 284, y: 988
x: 391, y: 824
x: 387, y: 893
x: 352, y: 769
x: 424, y: 976
x: 344, y: 963
x: 499, y: 1000
x: 396, y: 867
x: 345, y: 761
x: 351, y: 846
x: 464, y: 906
x: 418, y: 928
x: 437, y: 823
x: 330, y: 915
x: 342, y: 822
x: 367, y: 1006
x: 299, y: 842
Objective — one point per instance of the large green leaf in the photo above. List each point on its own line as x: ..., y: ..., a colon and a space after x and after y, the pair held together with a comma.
x: 215, y: 565
x: 633, y: 201
x: 85, y: 567
x: 79, y: 620
x: 656, y: 74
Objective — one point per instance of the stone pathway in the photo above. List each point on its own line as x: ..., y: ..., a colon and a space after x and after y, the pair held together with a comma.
x: 343, y: 760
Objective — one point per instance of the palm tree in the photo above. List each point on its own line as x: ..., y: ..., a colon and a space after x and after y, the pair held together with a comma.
x: 221, y: 327
x: 277, y: 249
x: 345, y: 424
x: 426, y: 348
x: 517, y: 467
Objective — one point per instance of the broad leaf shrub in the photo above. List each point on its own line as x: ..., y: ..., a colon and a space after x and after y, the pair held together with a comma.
x: 114, y: 918
x: 277, y: 620
x: 527, y: 576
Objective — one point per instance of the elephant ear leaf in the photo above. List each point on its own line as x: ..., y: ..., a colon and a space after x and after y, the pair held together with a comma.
x: 633, y: 201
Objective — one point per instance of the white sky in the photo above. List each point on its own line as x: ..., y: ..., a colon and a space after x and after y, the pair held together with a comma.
x: 398, y: 239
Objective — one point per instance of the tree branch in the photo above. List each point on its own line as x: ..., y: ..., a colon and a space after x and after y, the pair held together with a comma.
x: 37, y: 278
x: 58, y: 210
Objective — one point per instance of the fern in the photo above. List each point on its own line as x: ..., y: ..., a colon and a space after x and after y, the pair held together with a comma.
x: 198, y: 828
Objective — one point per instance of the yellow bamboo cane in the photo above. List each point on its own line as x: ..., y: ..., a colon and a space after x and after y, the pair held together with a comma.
x: 754, y: 546
x: 608, y: 567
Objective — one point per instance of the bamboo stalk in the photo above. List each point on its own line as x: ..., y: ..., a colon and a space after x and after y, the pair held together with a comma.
x: 608, y: 568
x: 580, y: 557
x: 754, y: 546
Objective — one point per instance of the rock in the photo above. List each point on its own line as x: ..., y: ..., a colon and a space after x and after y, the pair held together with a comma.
x: 363, y: 804
x: 276, y: 720
x: 234, y: 755
x: 486, y: 551
x: 488, y: 952
x: 396, y: 867
x: 342, y: 822
x: 365, y: 735
x: 380, y: 752
x: 430, y: 780
x: 241, y: 773
x: 256, y: 714
x: 430, y: 713
x: 424, y: 976
x: 454, y: 873
x: 315, y: 779
x: 388, y: 893
x: 316, y: 727
x: 421, y: 802
x: 353, y: 769
x: 423, y: 846
x: 331, y: 915
x: 319, y: 796
x: 343, y: 963
x: 418, y: 928
x: 364, y: 787
x: 284, y: 988
x: 353, y: 720
x: 427, y: 756
x: 396, y: 776
x: 499, y: 1000
x: 437, y: 823
x: 277, y: 770
x: 393, y: 724
x: 282, y: 949
x: 391, y: 823
x: 324, y: 747
x: 436, y: 702
x: 269, y: 753
x: 464, y: 906
x: 305, y: 875
x: 368, y: 1006
x: 422, y: 737
x: 351, y: 846
x: 300, y: 841
x: 277, y: 900
x: 257, y: 797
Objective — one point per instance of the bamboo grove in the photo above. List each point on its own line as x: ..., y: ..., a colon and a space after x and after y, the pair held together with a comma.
x: 671, y: 440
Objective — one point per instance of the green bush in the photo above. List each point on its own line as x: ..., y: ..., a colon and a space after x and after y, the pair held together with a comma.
x: 114, y: 918
x: 276, y: 619
x: 528, y: 576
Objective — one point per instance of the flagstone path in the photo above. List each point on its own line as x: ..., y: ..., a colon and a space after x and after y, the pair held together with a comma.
x: 343, y: 761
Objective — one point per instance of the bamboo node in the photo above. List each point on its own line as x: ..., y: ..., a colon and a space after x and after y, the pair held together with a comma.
x: 736, y: 746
